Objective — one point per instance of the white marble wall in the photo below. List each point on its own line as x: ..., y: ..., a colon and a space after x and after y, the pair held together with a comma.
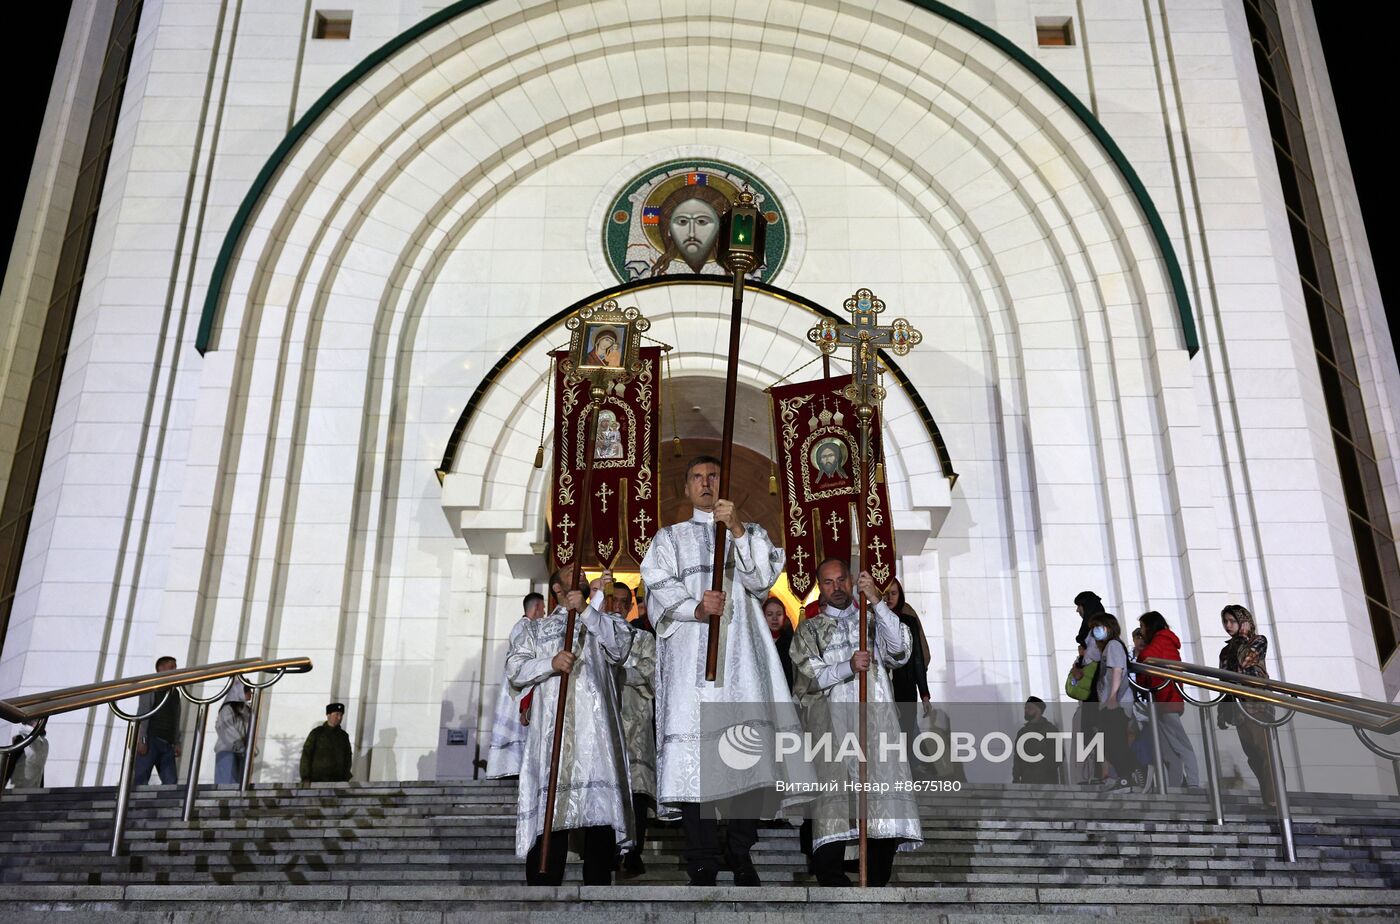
x: 278, y: 494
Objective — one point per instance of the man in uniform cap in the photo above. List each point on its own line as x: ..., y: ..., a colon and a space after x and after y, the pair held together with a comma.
x: 325, y: 758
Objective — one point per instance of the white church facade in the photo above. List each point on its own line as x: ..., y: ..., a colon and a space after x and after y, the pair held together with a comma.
x: 298, y: 403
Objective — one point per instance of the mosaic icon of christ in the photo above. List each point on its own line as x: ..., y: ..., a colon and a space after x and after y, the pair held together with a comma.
x: 690, y: 227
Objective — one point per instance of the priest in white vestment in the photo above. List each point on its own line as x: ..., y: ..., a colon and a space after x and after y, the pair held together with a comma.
x: 508, y: 731
x: 748, y: 702
x: 593, y: 792
x: 826, y: 663
x: 637, y: 680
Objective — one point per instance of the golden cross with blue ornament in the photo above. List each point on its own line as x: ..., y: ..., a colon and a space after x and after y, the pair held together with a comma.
x: 866, y: 338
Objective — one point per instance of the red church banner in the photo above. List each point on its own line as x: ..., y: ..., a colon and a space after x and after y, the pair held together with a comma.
x: 623, y: 503
x: 818, y: 440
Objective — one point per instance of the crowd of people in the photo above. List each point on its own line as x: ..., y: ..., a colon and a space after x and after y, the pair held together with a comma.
x: 631, y: 747
x: 635, y: 742
x: 325, y: 758
x: 1115, y: 702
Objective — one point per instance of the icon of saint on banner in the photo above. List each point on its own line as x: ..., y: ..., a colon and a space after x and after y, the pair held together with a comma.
x: 608, y: 443
x: 828, y: 459
x: 606, y: 346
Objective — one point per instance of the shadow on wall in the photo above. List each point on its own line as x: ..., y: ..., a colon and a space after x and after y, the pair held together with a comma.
x: 427, y: 765
x: 380, y: 754
x: 282, y: 761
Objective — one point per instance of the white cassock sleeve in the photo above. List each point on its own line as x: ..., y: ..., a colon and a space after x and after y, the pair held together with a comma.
x: 613, y: 634
x: 666, y: 592
x: 757, y: 563
x: 893, y: 642
x: 525, y: 666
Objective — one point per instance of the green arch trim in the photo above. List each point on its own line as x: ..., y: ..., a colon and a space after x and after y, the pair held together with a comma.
x: 233, y: 238
x: 449, y: 454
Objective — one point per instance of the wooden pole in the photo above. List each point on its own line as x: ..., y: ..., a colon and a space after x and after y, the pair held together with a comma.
x: 552, y: 793
x: 726, y: 453
x: 866, y: 474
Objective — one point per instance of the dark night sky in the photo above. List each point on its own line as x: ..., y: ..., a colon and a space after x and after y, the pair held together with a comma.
x: 1357, y: 48
x: 29, y: 75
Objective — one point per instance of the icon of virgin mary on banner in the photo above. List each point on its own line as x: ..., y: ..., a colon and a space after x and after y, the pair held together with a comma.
x: 819, y: 468
x: 624, y: 503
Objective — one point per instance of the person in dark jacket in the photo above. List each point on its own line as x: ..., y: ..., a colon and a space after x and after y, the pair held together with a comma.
x: 1038, y: 765
x: 1159, y: 641
x: 775, y: 611
x: 910, y: 680
x: 158, y: 737
x: 325, y: 758
x: 1088, y: 605
x: 781, y: 627
x: 1244, y: 653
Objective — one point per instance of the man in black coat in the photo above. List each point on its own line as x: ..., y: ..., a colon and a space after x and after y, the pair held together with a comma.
x: 1033, y: 740
x: 325, y: 758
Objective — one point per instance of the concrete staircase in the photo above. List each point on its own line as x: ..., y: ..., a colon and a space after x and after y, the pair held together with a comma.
x: 444, y: 851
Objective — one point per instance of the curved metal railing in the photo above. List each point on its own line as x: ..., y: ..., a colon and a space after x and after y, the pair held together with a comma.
x: 37, y: 708
x: 1364, y: 716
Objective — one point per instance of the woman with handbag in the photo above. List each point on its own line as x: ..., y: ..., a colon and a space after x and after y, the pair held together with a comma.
x: 1244, y: 653
x: 1079, y: 686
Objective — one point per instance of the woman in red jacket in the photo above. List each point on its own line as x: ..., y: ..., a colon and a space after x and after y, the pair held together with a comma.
x: 1159, y: 641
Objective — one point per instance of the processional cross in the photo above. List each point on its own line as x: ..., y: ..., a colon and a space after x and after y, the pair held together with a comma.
x: 865, y: 337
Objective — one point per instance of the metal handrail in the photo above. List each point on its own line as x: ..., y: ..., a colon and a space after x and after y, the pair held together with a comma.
x: 1361, y: 714
x: 1382, y: 718
x: 1390, y: 711
x: 39, y: 707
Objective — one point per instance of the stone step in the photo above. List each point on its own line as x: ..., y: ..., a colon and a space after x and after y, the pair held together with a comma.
x: 934, y: 829
x: 357, y: 843
x: 681, y: 903
x: 437, y: 844
x: 443, y: 823
x: 488, y: 815
x: 174, y: 795
x: 677, y: 877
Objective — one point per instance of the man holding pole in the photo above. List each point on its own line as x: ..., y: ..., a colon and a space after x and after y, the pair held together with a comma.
x: 593, y: 793
x: 827, y: 661
x: 749, y: 689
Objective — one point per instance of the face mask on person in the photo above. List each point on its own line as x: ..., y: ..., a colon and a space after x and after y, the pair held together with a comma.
x: 1100, y: 632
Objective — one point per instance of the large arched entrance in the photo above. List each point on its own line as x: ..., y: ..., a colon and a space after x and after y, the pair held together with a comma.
x: 439, y: 206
